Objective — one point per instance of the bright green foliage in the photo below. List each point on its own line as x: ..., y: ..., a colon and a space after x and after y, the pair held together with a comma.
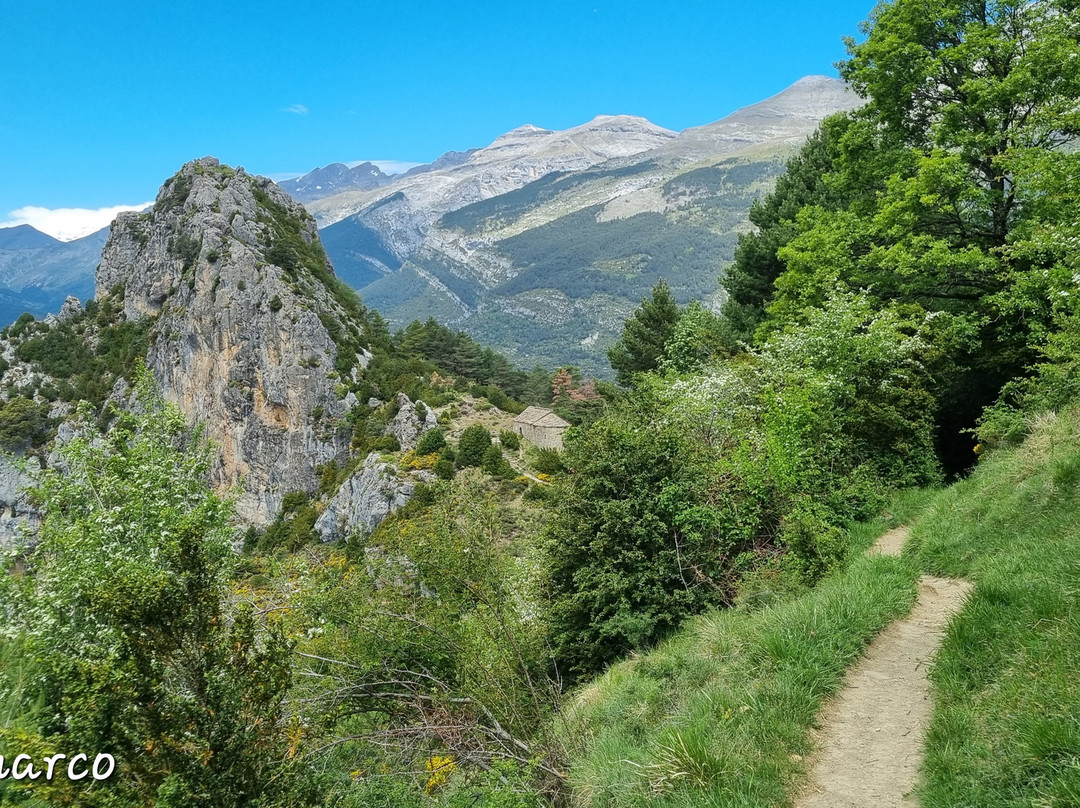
x: 546, y: 461
x: 645, y: 335
x: 23, y: 424
x: 940, y: 192
x: 810, y: 179
x: 1006, y: 702
x: 495, y: 464
x: 671, y: 493
x: 971, y: 81
x: 444, y: 469
x: 509, y: 439
x: 633, y: 548
x: 125, y: 610
x: 472, y: 444
x: 431, y: 441
x: 698, y: 336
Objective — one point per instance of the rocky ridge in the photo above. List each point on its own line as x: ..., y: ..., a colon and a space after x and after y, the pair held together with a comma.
x: 252, y: 335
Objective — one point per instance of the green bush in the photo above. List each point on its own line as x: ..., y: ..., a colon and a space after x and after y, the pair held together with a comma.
x: 23, y: 424
x: 135, y: 632
x: 807, y: 532
x: 385, y: 443
x: 495, y: 464
x: 547, y: 461
x: 474, y: 441
x: 536, y: 493
x: 431, y: 441
x: 509, y: 439
x: 444, y: 469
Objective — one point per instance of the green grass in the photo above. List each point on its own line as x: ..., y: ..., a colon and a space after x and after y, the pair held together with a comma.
x: 1006, y: 726
x: 719, y: 715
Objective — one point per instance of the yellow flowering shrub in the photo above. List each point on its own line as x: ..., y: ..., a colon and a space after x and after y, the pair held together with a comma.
x: 413, y: 462
x: 439, y: 768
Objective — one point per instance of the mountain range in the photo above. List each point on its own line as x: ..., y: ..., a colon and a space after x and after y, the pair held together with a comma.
x: 539, y: 244
x: 37, y: 271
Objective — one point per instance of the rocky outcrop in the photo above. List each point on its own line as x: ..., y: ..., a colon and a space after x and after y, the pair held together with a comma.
x: 17, y: 517
x: 371, y: 494
x: 248, y: 326
x: 407, y: 426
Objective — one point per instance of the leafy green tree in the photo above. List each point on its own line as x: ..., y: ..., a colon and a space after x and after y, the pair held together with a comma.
x: 23, y: 423
x: 699, y: 336
x: 966, y: 83
x: 472, y: 444
x: 126, y: 610
x: 495, y: 464
x: 645, y: 335
x: 631, y: 547
x: 959, y: 94
x: 684, y: 484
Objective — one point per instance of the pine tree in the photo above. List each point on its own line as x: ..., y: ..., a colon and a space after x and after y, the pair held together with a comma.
x: 645, y: 335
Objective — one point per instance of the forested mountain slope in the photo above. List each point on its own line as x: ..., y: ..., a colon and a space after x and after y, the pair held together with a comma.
x: 543, y: 242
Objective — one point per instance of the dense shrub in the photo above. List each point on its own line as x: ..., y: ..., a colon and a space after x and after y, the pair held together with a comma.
x: 472, y: 444
x: 495, y: 464
x: 431, y: 441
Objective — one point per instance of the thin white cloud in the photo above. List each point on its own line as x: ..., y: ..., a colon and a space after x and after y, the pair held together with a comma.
x: 297, y: 109
x: 67, y: 224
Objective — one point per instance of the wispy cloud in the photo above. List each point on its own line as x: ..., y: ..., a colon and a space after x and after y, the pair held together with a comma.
x: 296, y: 109
x: 67, y: 224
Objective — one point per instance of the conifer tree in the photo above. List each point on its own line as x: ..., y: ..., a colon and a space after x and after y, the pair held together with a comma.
x: 645, y: 335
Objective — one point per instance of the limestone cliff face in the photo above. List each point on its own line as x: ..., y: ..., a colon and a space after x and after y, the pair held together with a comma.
x: 249, y: 325
x: 371, y: 494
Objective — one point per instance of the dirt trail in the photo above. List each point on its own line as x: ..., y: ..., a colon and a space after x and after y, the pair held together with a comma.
x: 870, y: 741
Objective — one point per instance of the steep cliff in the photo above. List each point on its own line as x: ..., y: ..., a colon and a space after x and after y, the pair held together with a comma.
x: 253, y: 335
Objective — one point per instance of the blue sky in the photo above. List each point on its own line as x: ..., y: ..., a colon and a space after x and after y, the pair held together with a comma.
x: 103, y: 101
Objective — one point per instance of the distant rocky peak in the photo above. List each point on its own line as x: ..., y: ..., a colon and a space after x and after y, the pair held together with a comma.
x: 811, y: 97
x: 334, y: 179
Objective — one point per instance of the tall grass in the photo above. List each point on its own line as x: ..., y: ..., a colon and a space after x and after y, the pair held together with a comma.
x: 1006, y: 725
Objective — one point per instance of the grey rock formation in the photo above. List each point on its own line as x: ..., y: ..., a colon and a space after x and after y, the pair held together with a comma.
x: 16, y: 514
x: 72, y: 308
x: 239, y: 341
x: 371, y: 494
x: 407, y: 426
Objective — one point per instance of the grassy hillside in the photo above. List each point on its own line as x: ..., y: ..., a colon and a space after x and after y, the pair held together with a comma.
x: 1006, y: 728
x: 720, y: 714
